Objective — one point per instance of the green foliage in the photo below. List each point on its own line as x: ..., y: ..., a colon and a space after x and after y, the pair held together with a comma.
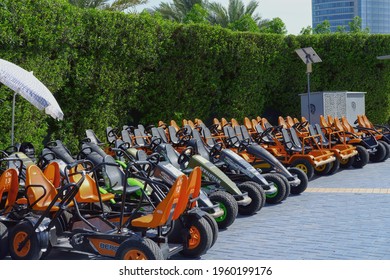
x: 355, y: 26
x: 322, y: 28
x: 114, y: 5
x: 245, y: 23
x: 110, y: 69
x: 274, y: 26
x: 308, y: 30
x: 197, y: 14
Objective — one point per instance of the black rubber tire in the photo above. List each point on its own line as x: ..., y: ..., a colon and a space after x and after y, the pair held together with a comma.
x: 387, y: 146
x: 301, y: 176
x: 347, y: 164
x: 280, y: 186
x: 204, y: 234
x: 214, y: 227
x: 4, y: 248
x: 286, y: 183
x: 380, y: 153
x: 361, y: 159
x: 262, y: 192
x: 256, y: 203
x: 334, y: 167
x: 228, y: 204
x: 18, y: 231
x: 146, y: 246
x: 308, y: 168
x: 323, y: 169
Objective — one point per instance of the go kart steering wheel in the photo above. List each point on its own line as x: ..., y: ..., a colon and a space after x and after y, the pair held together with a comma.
x: 243, y: 145
x: 154, y: 143
x: 216, y: 150
x: 185, y: 155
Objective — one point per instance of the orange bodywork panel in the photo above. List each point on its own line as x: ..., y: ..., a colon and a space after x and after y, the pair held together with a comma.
x: 88, y: 191
x: 9, y: 183
x: 40, y: 191
x: 165, y: 209
x: 53, y: 174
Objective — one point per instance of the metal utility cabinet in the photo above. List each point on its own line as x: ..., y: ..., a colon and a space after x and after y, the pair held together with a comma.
x: 334, y: 103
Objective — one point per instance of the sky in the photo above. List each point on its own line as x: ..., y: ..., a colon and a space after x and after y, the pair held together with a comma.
x: 295, y: 14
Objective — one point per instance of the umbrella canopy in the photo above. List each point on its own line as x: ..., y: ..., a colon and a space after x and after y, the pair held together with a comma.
x: 28, y: 86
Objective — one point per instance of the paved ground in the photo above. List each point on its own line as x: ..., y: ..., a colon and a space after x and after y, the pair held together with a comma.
x: 343, y: 216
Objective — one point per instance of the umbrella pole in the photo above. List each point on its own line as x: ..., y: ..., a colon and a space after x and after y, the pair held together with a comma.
x: 13, y: 119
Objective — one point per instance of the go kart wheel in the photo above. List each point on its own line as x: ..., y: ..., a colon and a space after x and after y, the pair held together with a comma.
x: 347, y: 163
x: 262, y: 192
x: 322, y: 170
x: 4, y: 248
x: 380, y: 154
x: 334, y: 166
x: 304, y: 165
x: 361, y: 159
x: 145, y: 249
x: 387, y: 147
x: 302, y: 177
x: 200, y: 238
x: 280, y: 193
x: 214, y: 227
x: 229, y: 206
x: 286, y: 183
x: 255, y: 195
x: 31, y: 250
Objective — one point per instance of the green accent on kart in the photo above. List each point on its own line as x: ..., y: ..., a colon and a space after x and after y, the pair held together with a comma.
x: 272, y: 195
x: 103, y: 191
x: 224, y: 215
x: 121, y: 163
x: 135, y: 183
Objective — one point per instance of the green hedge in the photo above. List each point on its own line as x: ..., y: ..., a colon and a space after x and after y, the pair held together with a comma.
x: 110, y: 69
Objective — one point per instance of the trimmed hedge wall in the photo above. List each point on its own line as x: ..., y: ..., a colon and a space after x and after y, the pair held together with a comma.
x: 109, y: 69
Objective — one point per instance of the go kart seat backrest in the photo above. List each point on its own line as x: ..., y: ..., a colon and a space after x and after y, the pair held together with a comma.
x: 282, y: 122
x: 126, y: 137
x: 319, y: 138
x: 110, y: 138
x: 230, y: 134
x: 40, y: 191
x: 266, y: 123
x: 210, y: 141
x: 190, y: 194
x: 60, y: 151
x: 297, y: 142
x: 164, y: 212
x: 248, y: 124
x: 337, y: 124
x: 163, y: 135
x: 290, y: 122
x: 288, y: 143
x: 53, y: 173
x: 245, y: 133
x: 9, y: 183
x: 347, y: 126
x: 169, y: 153
x: 174, y: 124
x: 92, y: 136
x: 172, y: 135
x: 88, y: 191
x: 139, y: 138
x: 198, y: 144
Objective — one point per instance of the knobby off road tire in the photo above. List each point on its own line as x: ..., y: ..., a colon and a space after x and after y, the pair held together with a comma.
x: 228, y: 204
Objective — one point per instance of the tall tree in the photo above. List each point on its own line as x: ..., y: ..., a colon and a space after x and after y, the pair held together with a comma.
x: 355, y: 26
x: 322, y: 28
x: 178, y: 10
x: 235, y: 11
x: 116, y: 5
x: 275, y: 26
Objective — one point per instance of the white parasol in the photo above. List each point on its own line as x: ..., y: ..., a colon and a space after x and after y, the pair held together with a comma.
x: 28, y: 86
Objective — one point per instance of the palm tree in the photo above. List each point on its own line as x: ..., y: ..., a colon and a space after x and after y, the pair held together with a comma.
x: 116, y: 5
x: 177, y: 10
x: 235, y: 11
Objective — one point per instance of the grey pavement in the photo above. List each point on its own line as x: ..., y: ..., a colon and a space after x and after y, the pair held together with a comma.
x: 344, y: 216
